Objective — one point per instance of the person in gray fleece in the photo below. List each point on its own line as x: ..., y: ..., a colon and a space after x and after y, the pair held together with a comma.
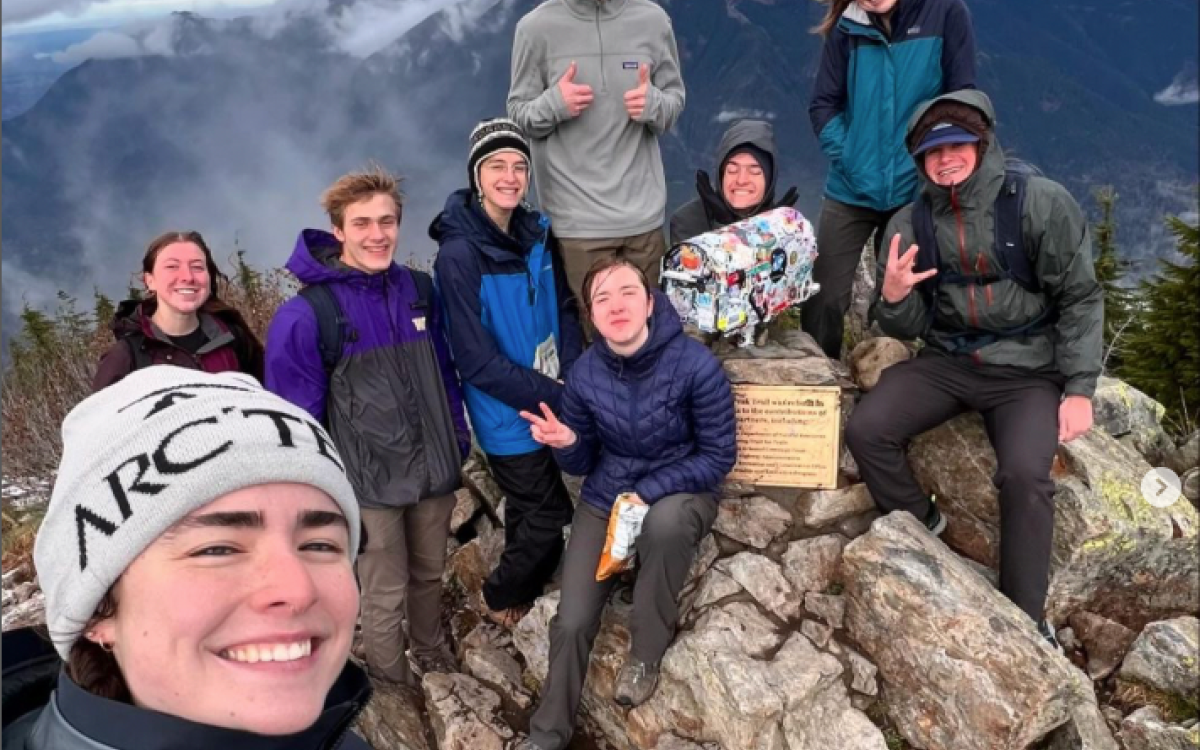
x: 594, y: 84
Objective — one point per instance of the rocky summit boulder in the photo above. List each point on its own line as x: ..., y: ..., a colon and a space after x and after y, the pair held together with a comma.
x: 1145, y: 729
x: 1166, y: 657
x: 1132, y: 417
x: 869, y: 359
x: 961, y: 667
x: 1114, y: 554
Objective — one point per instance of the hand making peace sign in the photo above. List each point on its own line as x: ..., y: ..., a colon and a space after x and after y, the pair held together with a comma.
x: 547, y: 430
x: 898, y: 276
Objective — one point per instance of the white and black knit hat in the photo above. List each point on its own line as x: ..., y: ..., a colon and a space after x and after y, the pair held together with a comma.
x: 145, y: 452
x: 491, y: 137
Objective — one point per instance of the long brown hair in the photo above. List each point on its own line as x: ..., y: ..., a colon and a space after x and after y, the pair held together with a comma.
x: 93, y: 668
x: 169, y: 238
x: 832, y: 14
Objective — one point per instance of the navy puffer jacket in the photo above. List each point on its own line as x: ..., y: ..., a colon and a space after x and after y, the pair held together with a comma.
x: 657, y: 423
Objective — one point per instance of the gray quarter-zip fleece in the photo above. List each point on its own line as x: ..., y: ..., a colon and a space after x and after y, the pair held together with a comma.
x: 599, y: 175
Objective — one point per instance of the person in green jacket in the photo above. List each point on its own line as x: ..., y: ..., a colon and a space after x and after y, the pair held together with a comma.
x: 1025, y: 352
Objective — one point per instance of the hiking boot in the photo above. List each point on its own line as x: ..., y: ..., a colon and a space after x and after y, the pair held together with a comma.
x: 440, y: 661
x: 635, y: 682
x: 934, y: 521
x: 1046, y: 630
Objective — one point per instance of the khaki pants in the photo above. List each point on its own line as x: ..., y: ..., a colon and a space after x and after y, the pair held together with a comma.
x: 643, y: 250
x: 400, y: 573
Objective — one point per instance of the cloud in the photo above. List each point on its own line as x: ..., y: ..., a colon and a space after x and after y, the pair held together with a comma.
x: 729, y: 115
x: 17, y: 11
x: 106, y: 45
x: 1183, y: 90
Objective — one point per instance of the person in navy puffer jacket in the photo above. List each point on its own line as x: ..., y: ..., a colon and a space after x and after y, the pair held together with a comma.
x: 646, y: 410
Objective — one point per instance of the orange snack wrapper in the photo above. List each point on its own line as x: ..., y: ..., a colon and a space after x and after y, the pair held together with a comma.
x: 624, y: 525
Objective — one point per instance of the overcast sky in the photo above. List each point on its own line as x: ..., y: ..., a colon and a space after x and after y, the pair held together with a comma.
x: 32, y: 15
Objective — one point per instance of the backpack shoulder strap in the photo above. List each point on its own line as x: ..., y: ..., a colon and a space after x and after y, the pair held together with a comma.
x: 137, y: 352
x: 424, y: 284
x: 928, y: 255
x: 331, y: 324
x: 1010, y: 240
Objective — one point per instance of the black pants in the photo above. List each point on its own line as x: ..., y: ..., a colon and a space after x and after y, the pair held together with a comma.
x: 537, y: 508
x: 1020, y: 413
x: 841, y: 233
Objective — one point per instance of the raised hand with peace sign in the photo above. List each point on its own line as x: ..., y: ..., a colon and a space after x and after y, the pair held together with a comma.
x: 635, y: 98
x: 547, y: 430
x: 899, y: 277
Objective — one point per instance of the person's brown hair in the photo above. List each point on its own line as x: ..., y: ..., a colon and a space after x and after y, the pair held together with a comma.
x: 93, y: 668
x: 609, y: 263
x: 360, y: 186
x: 169, y: 238
x: 832, y: 14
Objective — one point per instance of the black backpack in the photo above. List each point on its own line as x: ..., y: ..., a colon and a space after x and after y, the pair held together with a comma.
x: 1012, y: 255
x: 333, y: 327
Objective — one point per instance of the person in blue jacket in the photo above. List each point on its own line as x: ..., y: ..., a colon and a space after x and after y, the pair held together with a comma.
x: 647, y: 410
x: 881, y: 59
x: 514, y: 334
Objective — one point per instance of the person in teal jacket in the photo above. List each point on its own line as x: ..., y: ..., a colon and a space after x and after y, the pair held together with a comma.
x: 514, y: 334
x: 881, y: 59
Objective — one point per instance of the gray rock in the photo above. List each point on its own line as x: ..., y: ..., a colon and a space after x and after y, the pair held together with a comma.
x: 814, y: 564
x: 1164, y: 657
x: 826, y: 507
x: 765, y: 582
x: 465, y: 715
x: 962, y: 668
x: 466, y: 504
x: 777, y: 366
x: 1113, y: 553
x: 392, y: 718
x: 1087, y: 730
x: 863, y: 673
x: 1104, y: 641
x: 819, y: 633
x: 870, y: 358
x: 30, y: 612
x: 472, y: 563
x: 479, y: 481
x: 500, y: 672
x: 829, y: 607
x: 1145, y: 729
x: 756, y: 521
x: 1126, y: 413
x: 857, y: 525
x: 1185, y: 456
x: 714, y: 587
x: 1190, y: 485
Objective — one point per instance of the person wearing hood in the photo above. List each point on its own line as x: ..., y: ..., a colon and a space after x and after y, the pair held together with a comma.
x: 1024, y: 352
x: 197, y: 561
x: 514, y: 332
x: 649, y: 411
x: 393, y: 404
x: 746, y: 168
x: 181, y: 321
x: 881, y: 59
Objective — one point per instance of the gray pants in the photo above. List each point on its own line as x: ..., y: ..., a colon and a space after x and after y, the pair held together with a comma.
x: 400, y: 573
x: 670, y: 534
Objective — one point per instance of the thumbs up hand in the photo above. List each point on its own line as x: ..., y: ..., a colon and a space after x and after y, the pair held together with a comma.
x: 635, y: 99
x: 577, y: 96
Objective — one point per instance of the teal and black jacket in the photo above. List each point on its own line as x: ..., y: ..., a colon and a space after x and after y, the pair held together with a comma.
x: 868, y: 86
x: 503, y: 296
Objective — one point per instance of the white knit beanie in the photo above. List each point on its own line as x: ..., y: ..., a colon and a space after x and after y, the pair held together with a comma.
x: 145, y: 452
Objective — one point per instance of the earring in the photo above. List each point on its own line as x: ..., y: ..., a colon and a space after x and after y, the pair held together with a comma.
x: 105, y: 647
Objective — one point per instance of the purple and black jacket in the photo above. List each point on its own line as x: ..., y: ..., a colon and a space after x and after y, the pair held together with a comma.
x: 393, y: 404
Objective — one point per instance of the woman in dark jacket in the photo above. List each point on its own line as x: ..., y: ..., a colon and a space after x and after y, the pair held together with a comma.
x: 181, y: 322
x: 648, y: 411
x: 197, y: 562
